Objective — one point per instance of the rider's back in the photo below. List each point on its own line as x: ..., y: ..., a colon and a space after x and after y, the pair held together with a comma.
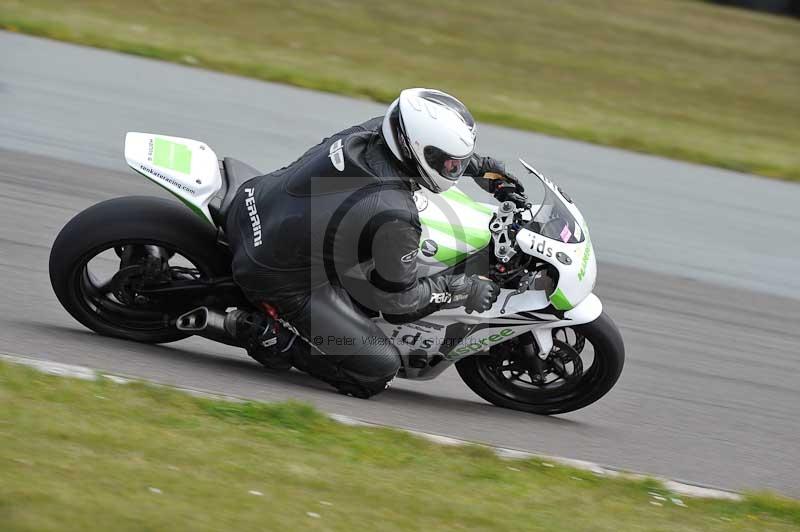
x: 317, y: 216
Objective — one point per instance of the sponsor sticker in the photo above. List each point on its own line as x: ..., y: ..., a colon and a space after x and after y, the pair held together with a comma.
x: 252, y: 211
x: 420, y: 201
x: 565, y: 234
x: 429, y: 247
x: 174, y: 182
x: 587, y: 252
x: 172, y: 155
x: 410, y: 256
x: 563, y: 258
x: 336, y: 155
x: 440, y: 297
x: 477, y: 346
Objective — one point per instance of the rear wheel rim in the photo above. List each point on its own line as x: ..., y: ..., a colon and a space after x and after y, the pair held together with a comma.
x: 97, y: 295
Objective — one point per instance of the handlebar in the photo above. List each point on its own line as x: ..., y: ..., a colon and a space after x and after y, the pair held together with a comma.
x: 510, y: 192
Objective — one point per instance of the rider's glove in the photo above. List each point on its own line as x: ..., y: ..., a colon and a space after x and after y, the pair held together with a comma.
x: 473, y: 293
x: 509, y: 193
x: 491, y: 175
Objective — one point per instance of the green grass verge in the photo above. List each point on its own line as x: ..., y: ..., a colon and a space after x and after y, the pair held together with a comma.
x: 682, y: 79
x: 79, y: 455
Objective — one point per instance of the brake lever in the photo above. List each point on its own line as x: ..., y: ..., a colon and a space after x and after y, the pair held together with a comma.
x: 524, y: 284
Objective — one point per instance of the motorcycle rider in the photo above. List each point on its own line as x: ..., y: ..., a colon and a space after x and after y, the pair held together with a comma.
x: 331, y: 240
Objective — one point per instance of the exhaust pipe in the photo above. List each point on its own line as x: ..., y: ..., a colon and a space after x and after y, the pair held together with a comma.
x: 212, y: 324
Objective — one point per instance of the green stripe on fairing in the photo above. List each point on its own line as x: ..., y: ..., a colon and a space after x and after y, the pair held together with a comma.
x: 449, y: 256
x: 560, y: 301
x: 172, y: 155
x: 459, y: 197
x: 477, y: 238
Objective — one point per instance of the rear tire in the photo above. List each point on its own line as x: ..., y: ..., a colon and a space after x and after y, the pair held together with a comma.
x: 132, y: 220
x: 609, y: 358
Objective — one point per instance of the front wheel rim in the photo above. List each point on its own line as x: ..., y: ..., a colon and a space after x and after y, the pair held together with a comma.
x: 490, y: 366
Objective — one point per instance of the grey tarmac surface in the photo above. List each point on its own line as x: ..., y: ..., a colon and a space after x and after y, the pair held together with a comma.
x: 698, y: 267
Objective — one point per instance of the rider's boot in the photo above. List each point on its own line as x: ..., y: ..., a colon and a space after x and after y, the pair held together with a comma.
x: 265, y: 340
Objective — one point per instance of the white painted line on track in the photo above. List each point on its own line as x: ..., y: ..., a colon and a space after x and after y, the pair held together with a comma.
x: 682, y: 488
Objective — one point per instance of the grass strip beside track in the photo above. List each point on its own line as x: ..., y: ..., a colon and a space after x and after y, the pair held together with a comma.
x: 96, y: 455
x: 683, y: 79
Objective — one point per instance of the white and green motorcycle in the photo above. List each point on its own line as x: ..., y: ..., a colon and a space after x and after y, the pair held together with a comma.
x: 150, y: 270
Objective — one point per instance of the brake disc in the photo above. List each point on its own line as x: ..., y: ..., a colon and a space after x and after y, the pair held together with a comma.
x: 578, y: 341
x: 565, y: 361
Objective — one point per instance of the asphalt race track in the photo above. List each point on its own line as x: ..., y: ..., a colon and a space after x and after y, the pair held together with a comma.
x: 698, y: 267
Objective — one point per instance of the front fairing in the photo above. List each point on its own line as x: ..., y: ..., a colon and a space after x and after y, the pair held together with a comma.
x: 454, y: 226
x: 569, y: 250
x: 576, y: 279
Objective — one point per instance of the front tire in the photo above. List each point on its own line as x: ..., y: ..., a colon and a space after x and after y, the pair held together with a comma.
x: 112, y: 225
x: 479, y: 372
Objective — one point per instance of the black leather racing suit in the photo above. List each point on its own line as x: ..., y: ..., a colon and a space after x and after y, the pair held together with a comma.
x: 336, y: 241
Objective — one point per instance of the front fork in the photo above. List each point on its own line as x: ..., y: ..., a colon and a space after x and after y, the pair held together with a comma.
x: 536, y: 361
x: 586, y: 311
x: 544, y: 341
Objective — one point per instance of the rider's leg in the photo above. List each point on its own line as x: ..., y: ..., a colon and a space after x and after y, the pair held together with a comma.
x: 358, y: 358
x: 349, y: 351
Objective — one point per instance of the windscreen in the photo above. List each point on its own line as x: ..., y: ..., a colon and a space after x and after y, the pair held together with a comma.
x: 554, y: 220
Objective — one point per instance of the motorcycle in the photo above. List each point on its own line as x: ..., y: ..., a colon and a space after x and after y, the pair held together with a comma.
x: 149, y: 269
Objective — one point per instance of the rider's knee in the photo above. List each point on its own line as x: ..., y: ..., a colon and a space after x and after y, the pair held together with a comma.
x: 374, y: 366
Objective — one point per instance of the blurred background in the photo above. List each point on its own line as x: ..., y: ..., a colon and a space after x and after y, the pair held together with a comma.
x: 781, y: 7
x: 683, y: 79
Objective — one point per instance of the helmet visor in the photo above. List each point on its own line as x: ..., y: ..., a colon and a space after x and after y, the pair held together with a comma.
x: 445, y: 164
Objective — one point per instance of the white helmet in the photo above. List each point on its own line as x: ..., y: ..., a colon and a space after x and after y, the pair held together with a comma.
x: 432, y: 132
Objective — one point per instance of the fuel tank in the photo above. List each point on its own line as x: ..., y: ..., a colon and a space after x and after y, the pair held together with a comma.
x: 454, y: 226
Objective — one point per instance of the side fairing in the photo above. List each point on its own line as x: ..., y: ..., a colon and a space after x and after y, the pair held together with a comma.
x: 453, y: 334
x: 453, y: 227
